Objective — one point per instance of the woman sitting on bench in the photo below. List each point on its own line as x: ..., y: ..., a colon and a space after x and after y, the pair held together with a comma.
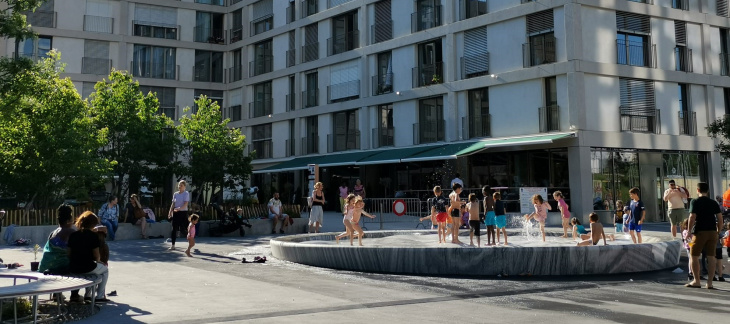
x: 84, y: 255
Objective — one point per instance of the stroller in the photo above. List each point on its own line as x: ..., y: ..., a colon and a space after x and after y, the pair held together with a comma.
x: 227, y: 222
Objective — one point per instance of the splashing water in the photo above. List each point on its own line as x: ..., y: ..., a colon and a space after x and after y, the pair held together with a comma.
x: 530, y: 229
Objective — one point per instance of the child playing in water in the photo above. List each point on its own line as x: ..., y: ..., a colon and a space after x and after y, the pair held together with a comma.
x: 474, y: 224
x: 579, y: 231
x: 464, y: 216
x: 454, y: 212
x: 356, y: 213
x: 489, y: 216
x: 540, y: 214
x: 596, y: 232
x: 438, y: 213
x: 191, y: 233
x: 564, y: 212
x: 500, y: 219
x: 349, y: 207
x: 618, y: 218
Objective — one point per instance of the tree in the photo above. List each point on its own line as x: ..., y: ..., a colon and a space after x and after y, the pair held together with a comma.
x: 216, y: 154
x: 139, y: 140
x: 720, y: 129
x: 48, y: 144
x: 14, y: 25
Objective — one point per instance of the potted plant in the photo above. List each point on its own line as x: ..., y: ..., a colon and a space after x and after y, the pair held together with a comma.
x: 436, y: 79
x: 34, y: 264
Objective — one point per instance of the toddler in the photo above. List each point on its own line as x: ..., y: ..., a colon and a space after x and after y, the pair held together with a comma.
x: 191, y: 232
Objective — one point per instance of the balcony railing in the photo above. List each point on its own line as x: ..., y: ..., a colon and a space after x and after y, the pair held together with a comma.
x: 154, y: 71
x: 334, y: 3
x: 646, y: 120
x: 41, y: 18
x: 425, y: 19
x: 208, y: 35
x: 98, y: 24
x: 204, y: 73
x: 381, y: 31
x: 383, y: 137
x: 290, y: 14
x: 428, y: 132
x: 212, y: 2
x: 310, y: 98
x: 549, y: 118
x: 725, y: 64
x: 310, y: 145
x: 262, y: 24
x: 474, y: 65
x: 472, y: 8
x: 680, y: 4
x: 309, y: 7
x: 476, y: 126
x: 343, y: 43
x: 291, y: 57
x: 310, y: 52
x: 235, y: 113
x: 259, y: 108
x: 289, y: 147
x: 98, y: 66
x: 262, y: 64
x: 635, y: 53
x: 382, y: 84
x: 539, y: 51
x: 428, y: 74
x: 350, y: 140
x: 687, y: 123
x: 263, y: 149
x: 235, y: 34
x: 683, y: 59
x: 290, y: 102
x: 343, y: 91
x: 235, y: 73
x: 170, y: 112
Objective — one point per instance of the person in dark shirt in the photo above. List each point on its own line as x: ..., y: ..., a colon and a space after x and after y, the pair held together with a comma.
x: 438, y: 210
x: 84, y: 255
x: 705, y: 221
x: 500, y: 218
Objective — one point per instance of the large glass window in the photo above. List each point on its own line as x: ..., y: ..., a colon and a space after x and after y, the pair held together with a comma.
x: 614, y: 173
x: 431, y: 120
x: 385, y: 131
x: 479, y: 118
x: 154, y: 62
x: 208, y: 66
x: 346, y: 131
x: 36, y: 48
x: 262, y: 141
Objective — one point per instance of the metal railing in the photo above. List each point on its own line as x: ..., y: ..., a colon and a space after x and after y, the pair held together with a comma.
x: 635, y: 53
x: 289, y: 147
x: 425, y: 19
x: 236, y: 113
x: 310, y: 98
x: 428, y: 132
x: 99, y: 24
x: 310, y: 145
x: 343, y: 43
x: 155, y: 30
x: 350, y: 140
x: 539, y: 51
x: 471, y: 8
x: 683, y: 59
x: 259, y: 108
x: 309, y: 7
x: 383, y: 136
x: 549, y: 118
x: 212, y: 2
x: 235, y: 73
x: 334, y: 3
x: 724, y: 64
x: 474, y: 65
x: 382, y: 209
x: 154, y: 71
x: 98, y: 66
x: 687, y: 122
x: 381, y: 31
x: 263, y: 149
x: 262, y: 64
x: 170, y: 112
x: 261, y: 25
x: 291, y: 57
x: 41, y: 18
x: 208, y: 35
x: 310, y: 52
x: 343, y: 91
x: 428, y: 74
x: 235, y: 34
x: 205, y: 73
x: 477, y: 126
x: 646, y: 120
x: 382, y: 84
x: 290, y: 14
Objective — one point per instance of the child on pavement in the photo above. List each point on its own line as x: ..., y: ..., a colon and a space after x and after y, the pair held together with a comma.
x: 191, y: 233
x: 500, y: 219
x: 564, y: 212
x: 474, y: 225
x: 637, y: 214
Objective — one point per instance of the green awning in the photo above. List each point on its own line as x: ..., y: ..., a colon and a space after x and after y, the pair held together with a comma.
x: 330, y: 160
x: 453, y: 151
x: 299, y: 163
x: 393, y: 155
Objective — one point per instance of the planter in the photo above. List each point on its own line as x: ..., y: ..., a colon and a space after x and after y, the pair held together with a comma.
x: 34, y: 266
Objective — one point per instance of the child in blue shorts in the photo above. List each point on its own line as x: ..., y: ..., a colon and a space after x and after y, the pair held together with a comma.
x: 500, y: 219
x: 489, y: 216
x: 618, y: 221
x: 637, y: 213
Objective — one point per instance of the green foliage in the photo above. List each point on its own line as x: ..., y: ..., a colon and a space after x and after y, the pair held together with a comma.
x: 720, y: 129
x: 139, y: 140
x: 216, y: 154
x: 24, y: 307
x: 48, y: 144
x: 14, y: 25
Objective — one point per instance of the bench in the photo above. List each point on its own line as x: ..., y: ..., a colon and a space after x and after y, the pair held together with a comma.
x: 39, y: 284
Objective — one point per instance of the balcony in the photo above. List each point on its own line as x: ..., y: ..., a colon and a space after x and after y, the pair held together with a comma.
x: 635, y: 53
x: 98, y: 24
x: 343, y: 43
x: 687, y: 123
x: 98, y: 66
x: 474, y: 65
x: 170, y: 112
x: 290, y: 14
x: 289, y: 147
x: 262, y: 64
x: 309, y: 7
x: 235, y: 35
x: 721, y: 8
x: 208, y: 35
x: 155, y: 30
x: 641, y: 120
x: 212, y: 2
x: 204, y: 73
x: 41, y: 18
x: 350, y: 140
x: 381, y: 31
x: 343, y: 91
x: 235, y: 113
x: 310, y: 98
x: 310, y: 145
x: 290, y: 103
x: 429, y: 74
x: 477, y: 126
x: 310, y: 52
x: 549, y: 118
x: 539, y: 51
x: 425, y: 19
x: 383, y: 137
x: 428, y: 132
x: 259, y: 108
x: 262, y: 24
x: 683, y: 59
x: 154, y: 71
x: 263, y: 149
x: 472, y: 8
x: 382, y: 84
x: 235, y: 73
x: 291, y: 57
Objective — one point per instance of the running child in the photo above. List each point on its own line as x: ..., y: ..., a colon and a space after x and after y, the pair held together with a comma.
x: 191, y: 233
x: 489, y: 216
x: 474, y: 223
x: 355, y: 221
x: 596, y: 232
x: 347, y: 216
x: 564, y: 212
x: 618, y: 217
x: 500, y: 219
x: 438, y: 213
x: 540, y: 214
x: 637, y: 214
x: 455, y: 201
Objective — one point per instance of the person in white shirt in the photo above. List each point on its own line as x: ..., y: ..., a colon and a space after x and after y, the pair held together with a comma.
x: 675, y: 198
x: 276, y: 214
x: 457, y: 180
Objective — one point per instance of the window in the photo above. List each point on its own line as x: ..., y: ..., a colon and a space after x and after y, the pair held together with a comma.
x: 427, y: 15
x: 479, y: 118
x: 472, y: 8
x: 385, y: 133
x: 633, y: 40
x: 310, y: 50
x: 236, y: 72
x: 98, y: 17
x: 155, y: 21
x: 290, y: 98
x: 549, y: 115
x: 237, y: 26
x: 291, y: 53
x: 310, y: 143
x: 722, y: 8
x: 96, y: 58
x: 43, y: 16
x: 682, y: 54
x: 430, y: 64
x: 309, y: 7
x: 263, y: 59
x: 209, y: 27
x: 687, y: 121
x: 683, y: 97
x: 638, y: 106
x: 211, y: 2
x: 383, y: 80
x: 724, y: 51
x: 166, y: 98
x: 290, y: 146
x: 540, y: 46
x: 430, y: 127
x: 35, y: 48
x: 208, y: 66
x: 344, y: 81
x: 310, y: 95
x: 726, y: 96
x: 263, y: 17
x: 680, y: 4
x: 346, y: 131
x: 476, y: 58
x: 215, y: 96
x: 261, y: 106
x: 345, y: 34
x: 154, y: 62
x: 262, y: 141
x: 382, y: 29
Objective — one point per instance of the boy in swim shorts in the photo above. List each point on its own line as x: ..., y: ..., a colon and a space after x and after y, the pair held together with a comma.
x: 454, y: 212
x: 439, y: 211
x: 500, y: 219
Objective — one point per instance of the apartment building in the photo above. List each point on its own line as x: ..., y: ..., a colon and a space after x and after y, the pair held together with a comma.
x: 583, y: 96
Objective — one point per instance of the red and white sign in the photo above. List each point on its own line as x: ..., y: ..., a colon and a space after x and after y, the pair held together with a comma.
x: 399, y: 207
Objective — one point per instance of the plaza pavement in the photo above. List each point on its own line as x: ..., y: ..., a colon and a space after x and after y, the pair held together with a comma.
x: 156, y: 286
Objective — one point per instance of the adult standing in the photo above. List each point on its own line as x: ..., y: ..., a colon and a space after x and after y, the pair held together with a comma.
x: 134, y: 207
x: 344, y: 190
x: 675, y: 197
x: 275, y: 213
x: 84, y: 255
x: 179, y: 212
x: 316, y: 215
x: 359, y: 189
x: 109, y: 215
x: 705, y: 221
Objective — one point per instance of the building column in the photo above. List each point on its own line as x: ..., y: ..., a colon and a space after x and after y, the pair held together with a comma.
x: 581, y: 183
x: 714, y: 174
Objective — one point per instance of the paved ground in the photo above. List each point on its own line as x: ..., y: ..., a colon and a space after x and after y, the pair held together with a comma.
x: 156, y: 286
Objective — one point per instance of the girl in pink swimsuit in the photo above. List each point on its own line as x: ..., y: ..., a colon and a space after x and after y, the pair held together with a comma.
x: 191, y: 233
x: 540, y: 214
x: 349, y: 209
